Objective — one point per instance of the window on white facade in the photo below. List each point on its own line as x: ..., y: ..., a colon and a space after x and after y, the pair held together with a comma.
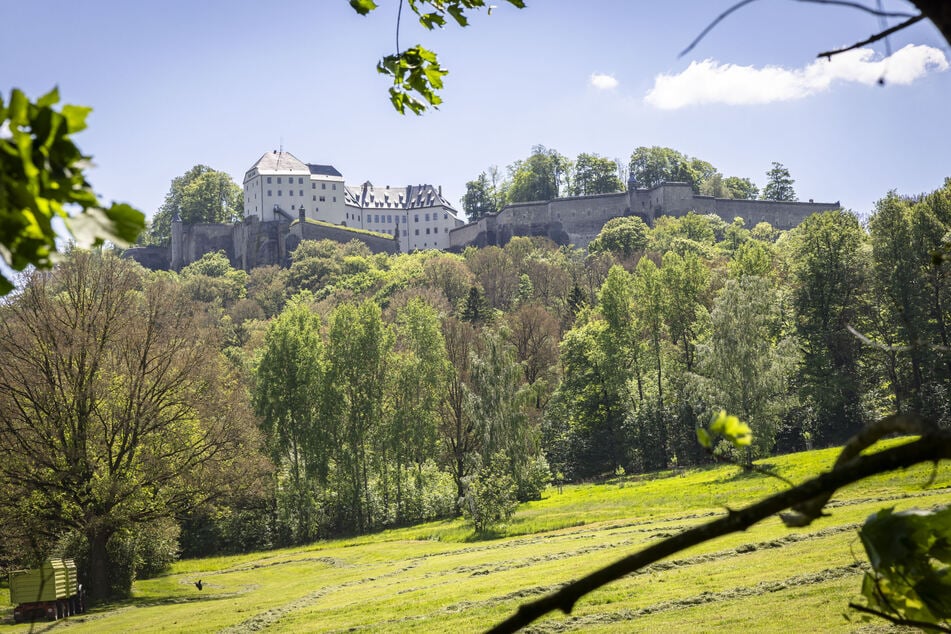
x: 335, y: 199
x: 335, y: 186
x: 445, y: 216
x: 417, y: 232
x: 427, y: 231
x: 323, y: 199
x: 376, y: 219
x: 415, y: 217
x: 278, y: 180
x: 269, y: 192
x: 268, y: 180
x: 300, y: 192
x: 300, y: 181
x: 323, y: 185
x: 427, y: 217
x: 279, y: 192
x: 313, y: 185
x: 292, y: 207
x: 315, y: 197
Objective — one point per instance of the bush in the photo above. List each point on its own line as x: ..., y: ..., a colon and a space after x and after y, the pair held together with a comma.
x: 533, y: 479
x: 491, y: 496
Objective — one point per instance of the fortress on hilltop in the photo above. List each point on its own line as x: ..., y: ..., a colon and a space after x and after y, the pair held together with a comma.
x: 287, y: 201
x: 578, y: 220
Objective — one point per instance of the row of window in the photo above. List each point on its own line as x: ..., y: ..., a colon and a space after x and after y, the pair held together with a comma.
x: 390, y: 219
x: 280, y: 192
x: 300, y: 181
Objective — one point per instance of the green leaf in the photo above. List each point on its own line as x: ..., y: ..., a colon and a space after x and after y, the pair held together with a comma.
x: 704, y: 438
x: 41, y: 175
x: 731, y: 428
x: 363, y: 7
x: 416, y: 76
x: 76, y: 117
x: 910, y: 560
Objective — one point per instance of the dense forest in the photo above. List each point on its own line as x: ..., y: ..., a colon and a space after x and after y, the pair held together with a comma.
x: 150, y: 415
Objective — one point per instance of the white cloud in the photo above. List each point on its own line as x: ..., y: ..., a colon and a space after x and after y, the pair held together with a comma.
x: 711, y: 82
x: 602, y: 81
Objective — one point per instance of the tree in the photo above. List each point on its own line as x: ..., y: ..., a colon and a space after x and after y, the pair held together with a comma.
x: 359, y: 345
x: 199, y: 195
x: 212, y: 277
x: 287, y: 390
x: 743, y: 188
x: 458, y: 428
x: 419, y: 366
x: 594, y: 174
x: 480, y: 198
x: 747, y: 364
x: 651, y: 166
x: 624, y: 237
x: 829, y: 271
x: 42, y: 179
x: 539, y: 177
x: 490, y: 497
x: 779, y: 184
x: 686, y: 281
x: 496, y: 272
x: 499, y: 405
x: 118, y: 409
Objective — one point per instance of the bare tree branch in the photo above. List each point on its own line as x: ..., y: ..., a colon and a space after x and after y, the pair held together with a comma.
x: 843, y: 3
x: 930, y: 448
x: 719, y: 18
x: 861, y: 7
x: 874, y: 38
x: 898, y: 621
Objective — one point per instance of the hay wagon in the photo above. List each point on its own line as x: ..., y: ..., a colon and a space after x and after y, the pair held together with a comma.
x: 51, y: 591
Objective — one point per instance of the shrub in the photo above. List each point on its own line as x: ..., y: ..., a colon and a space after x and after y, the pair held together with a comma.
x: 491, y: 496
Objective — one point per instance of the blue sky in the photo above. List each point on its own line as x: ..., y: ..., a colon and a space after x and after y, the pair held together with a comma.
x: 220, y: 82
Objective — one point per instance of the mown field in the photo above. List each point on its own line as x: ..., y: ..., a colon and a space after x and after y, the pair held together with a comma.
x: 439, y: 577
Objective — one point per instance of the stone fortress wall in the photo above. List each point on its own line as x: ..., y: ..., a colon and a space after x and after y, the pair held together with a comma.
x: 248, y: 244
x: 578, y: 220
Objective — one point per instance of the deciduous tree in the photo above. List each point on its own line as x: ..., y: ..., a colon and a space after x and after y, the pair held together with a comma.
x: 199, y: 195
x: 117, y: 408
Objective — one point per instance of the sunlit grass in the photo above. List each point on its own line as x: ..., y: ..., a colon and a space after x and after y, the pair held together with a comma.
x: 441, y: 577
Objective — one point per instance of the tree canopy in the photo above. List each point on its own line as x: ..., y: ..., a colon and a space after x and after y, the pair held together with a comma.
x: 118, y: 410
x: 199, y: 195
x: 779, y: 184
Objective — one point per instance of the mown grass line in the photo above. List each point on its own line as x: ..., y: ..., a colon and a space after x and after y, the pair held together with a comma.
x: 440, y: 577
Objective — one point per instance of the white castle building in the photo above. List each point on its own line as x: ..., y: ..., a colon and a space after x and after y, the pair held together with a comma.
x: 279, y: 186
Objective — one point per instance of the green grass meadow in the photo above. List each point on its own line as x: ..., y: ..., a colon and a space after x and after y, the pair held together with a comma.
x: 439, y: 577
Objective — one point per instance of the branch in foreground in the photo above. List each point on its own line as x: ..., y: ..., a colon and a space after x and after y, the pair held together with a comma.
x: 874, y: 38
x: 930, y: 448
x: 898, y: 621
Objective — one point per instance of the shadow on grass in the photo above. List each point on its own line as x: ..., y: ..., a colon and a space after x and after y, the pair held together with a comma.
x: 103, y: 609
x: 758, y: 470
x: 485, y: 536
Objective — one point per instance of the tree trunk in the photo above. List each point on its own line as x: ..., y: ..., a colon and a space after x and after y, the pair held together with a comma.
x: 97, y: 575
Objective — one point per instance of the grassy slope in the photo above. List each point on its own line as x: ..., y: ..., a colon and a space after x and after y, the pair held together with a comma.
x: 437, y: 577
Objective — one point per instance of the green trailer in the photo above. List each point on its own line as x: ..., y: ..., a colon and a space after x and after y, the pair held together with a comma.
x: 51, y: 591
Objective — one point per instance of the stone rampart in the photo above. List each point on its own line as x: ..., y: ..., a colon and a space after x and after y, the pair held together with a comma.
x: 579, y: 219
x: 315, y: 231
